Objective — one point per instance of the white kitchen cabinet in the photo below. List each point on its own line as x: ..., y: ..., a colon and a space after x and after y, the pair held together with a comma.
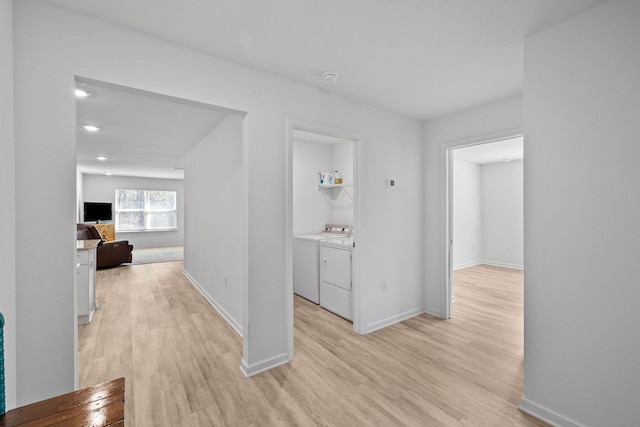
x: 86, y: 301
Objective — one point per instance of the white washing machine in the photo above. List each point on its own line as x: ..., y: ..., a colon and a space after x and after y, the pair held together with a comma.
x: 306, y: 260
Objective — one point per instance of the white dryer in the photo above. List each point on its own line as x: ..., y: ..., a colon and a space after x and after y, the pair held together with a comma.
x: 306, y: 260
x: 335, y: 276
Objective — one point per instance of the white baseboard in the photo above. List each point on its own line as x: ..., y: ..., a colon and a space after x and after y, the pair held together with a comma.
x: 546, y: 414
x: 263, y: 365
x: 435, y: 312
x: 393, y: 319
x: 466, y: 265
x: 230, y: 320
x: 503, y: 264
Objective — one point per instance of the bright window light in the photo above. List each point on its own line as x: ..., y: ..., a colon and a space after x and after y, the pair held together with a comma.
x: 146, y: 210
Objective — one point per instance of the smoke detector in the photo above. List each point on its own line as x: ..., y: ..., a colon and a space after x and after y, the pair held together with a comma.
x: 330, y: 78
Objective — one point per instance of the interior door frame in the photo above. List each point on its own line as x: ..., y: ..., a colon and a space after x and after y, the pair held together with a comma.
x: 358, y: 223
x: 447, y: 162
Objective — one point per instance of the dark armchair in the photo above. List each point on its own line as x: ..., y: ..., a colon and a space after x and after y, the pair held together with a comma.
x: 110, y: 254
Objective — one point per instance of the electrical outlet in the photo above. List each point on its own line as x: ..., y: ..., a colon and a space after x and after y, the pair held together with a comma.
x: 384, y: 286
x: 226, y: 281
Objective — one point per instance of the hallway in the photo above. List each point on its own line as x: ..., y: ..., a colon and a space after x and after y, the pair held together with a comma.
x: 181, y: 359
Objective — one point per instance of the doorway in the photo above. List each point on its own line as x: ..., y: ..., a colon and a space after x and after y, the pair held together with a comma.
x: 148, y: 142
x: 312, y: 204
x: 485, y: 207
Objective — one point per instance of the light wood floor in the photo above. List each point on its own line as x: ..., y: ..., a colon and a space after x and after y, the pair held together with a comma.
x: 181, y: 359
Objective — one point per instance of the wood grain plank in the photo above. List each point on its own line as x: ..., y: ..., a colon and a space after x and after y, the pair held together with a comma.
x: 182, y: 359
x: 104, y: 416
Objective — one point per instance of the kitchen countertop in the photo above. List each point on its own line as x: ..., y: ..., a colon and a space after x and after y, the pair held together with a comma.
x: 85, y: 245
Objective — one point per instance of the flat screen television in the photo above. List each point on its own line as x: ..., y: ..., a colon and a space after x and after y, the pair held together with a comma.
x: 97, y: 211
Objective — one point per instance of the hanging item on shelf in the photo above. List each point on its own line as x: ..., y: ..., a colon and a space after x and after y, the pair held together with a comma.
x: 326, y: 178
x: 330, y: 181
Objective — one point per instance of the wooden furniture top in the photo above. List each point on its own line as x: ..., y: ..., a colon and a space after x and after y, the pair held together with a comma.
x: 100, y: 405
x: 85, y: 245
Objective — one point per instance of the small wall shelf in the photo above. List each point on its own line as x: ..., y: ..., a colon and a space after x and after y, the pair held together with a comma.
x: 325, y: 186
x: 342, y: 187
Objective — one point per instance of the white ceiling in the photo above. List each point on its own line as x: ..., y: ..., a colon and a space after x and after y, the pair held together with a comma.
x: 420, y: 58
x: 142, y: 134
x: 492, y: 152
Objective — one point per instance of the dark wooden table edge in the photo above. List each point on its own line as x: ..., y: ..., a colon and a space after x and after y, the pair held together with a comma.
x: 54, y: 409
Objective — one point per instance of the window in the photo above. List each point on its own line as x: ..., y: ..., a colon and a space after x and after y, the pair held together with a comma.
x: 145, y: 210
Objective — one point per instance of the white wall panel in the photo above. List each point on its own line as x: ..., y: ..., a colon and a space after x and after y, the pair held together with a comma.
x: 311, y: 211
x: 467, y: 214
x: 7, y: 192
x: 582, y: 240
x: 341, y: 203
x: 502, y: 214
x: 214, y: 214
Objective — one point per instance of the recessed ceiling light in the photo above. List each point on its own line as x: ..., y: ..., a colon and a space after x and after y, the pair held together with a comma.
x: 330, y: 77
x: 80, y: 93
x: 108, y: 174
x: 101, y: 158
x: 91, y: 128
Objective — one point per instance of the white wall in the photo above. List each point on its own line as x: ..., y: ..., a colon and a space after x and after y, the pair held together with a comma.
x: 341, y: 203
x: 582, y: 239
x: 495, y: 120
x: 7, y: 192
x: 487, y: 214
x: 215, y: 210
x: 53, y: 45
x: 313, y: 208
x: 310, y: 208
x: 502, y: 214
x: 101, y: 188
x: 391, y: 254
x: 467, y: 214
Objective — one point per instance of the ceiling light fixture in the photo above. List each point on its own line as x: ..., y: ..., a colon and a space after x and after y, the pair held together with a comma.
x: 101, y: 158
x: 91, y: 128
x: 330, y: 77
x: 80, y: 93
x: 108, y: 174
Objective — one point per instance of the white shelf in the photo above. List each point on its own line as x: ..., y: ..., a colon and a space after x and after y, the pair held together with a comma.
x: 326, y: 186
x: 341, y: 187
